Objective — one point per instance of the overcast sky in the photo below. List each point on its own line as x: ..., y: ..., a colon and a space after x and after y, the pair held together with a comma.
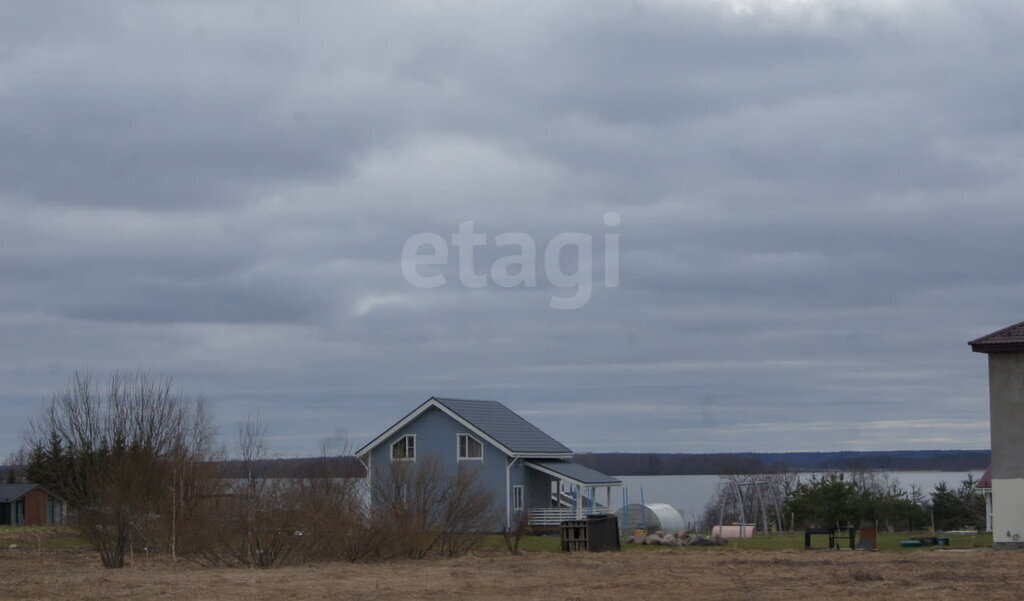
x: 819, y: 205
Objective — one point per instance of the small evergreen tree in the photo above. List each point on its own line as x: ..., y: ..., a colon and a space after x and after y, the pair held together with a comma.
x: 963, y: 507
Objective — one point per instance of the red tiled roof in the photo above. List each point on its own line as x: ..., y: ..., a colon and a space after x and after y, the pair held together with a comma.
x: 985, y: 482
x: 1007, y: 339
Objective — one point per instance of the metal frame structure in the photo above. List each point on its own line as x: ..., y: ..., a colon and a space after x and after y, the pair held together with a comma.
x: 735, y: 484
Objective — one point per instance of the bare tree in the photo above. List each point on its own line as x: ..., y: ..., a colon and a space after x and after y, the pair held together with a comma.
x: 127, y: 458
x: 14, y: 467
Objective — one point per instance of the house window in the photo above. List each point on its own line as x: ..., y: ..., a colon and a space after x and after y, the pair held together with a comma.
x: 470, y: 448
x: 54, y: 512
x: 517, y: 497
x: 404, y: 448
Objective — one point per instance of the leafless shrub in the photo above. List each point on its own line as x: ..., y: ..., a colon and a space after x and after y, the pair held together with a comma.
x: 331, y: 510
x: 264, y: 521
x: 420, y: 508
x: 128, y: 459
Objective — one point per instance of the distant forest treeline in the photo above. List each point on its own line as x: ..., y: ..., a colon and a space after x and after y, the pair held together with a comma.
x: 657, y: 464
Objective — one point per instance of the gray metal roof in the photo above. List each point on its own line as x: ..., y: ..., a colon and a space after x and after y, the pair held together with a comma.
x: 575, y: 471
x: 12, y: 492
x: 504, y: 425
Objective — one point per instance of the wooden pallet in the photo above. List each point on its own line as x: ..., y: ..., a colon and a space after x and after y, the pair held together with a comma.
x: 575, y: 536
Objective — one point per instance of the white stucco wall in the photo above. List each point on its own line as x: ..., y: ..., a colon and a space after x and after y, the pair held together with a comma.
x: 1008, y: 514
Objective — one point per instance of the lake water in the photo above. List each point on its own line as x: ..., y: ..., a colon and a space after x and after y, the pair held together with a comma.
x: 689, y: 494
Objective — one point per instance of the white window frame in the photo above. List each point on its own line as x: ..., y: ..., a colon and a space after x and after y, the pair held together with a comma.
x: 411, y: 437
x: 518, y: 497
x: 458, y: 447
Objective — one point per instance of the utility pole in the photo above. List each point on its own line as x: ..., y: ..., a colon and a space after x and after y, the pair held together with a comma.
x: 174, y: 515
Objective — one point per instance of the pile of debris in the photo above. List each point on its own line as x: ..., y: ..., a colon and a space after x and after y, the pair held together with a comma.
x: 678, y: 539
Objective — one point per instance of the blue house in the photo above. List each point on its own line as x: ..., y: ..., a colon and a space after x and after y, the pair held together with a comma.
x: 527, y: 470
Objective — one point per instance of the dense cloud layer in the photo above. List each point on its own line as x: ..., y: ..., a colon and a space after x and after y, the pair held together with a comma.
x: 819, y: 206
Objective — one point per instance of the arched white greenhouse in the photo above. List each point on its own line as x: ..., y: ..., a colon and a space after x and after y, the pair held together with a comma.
x: 651, y: 518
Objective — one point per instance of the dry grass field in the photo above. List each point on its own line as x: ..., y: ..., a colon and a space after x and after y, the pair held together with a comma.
x: 633, y: 575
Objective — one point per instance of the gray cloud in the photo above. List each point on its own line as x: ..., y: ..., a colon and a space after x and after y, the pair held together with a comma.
x: 819, y: 207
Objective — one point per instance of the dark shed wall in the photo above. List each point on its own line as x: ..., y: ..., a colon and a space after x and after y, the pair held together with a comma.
x: 35, y: 507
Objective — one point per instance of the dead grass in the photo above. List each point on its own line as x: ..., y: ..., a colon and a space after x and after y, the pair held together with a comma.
x: 40, y: 537
x: 664, y: 574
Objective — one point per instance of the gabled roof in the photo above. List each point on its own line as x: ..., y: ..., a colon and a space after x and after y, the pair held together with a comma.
x: 572, y: 471
x: 13, y: 492
x: 1006, y: 340
x: 492, y: 421
x: 505, y: 426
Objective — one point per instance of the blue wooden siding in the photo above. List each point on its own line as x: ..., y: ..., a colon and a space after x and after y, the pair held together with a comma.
x: 437, y: 435
x: 538, y: 489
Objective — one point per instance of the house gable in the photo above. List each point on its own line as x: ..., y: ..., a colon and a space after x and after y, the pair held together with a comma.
x: 436, y: 435
x: 487, y: 421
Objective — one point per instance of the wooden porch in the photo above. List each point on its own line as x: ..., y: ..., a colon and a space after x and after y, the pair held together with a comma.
x: 574, y: 493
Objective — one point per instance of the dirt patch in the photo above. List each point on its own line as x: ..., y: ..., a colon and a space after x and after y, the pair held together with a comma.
x: 537, y: 576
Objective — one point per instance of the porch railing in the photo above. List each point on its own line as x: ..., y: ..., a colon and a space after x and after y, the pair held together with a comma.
x: 554, y: 516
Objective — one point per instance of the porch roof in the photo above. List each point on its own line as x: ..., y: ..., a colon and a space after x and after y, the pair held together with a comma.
x: 573, y: 471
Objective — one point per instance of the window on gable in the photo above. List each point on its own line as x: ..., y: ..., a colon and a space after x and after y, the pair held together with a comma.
x: 470, y: 448
x: 404, y: 448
